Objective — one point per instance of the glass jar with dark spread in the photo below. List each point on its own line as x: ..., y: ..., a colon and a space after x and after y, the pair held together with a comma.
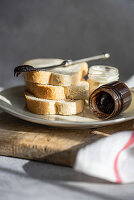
x: 110, y: 100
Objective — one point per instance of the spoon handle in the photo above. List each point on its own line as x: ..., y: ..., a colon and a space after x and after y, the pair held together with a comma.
x: 71, y: 62
x: 103, y: 56
x: 27, y: 68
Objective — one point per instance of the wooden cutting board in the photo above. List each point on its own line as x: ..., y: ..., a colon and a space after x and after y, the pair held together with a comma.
x: 23, y: 139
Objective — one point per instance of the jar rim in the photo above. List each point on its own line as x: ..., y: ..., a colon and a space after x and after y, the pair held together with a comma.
x: 103, y: 68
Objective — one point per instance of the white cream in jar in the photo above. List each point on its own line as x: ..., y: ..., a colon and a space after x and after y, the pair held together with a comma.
x: 100, y: 75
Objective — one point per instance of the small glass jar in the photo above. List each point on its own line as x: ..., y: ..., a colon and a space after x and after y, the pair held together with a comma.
x: 101, y: 75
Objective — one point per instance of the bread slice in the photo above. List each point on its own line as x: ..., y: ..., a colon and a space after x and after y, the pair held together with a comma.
x: 60, y: 76
x: 50, y: 107
x: 79, y: 91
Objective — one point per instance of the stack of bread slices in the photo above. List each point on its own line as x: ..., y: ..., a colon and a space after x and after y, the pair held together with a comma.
x: 61, y: 90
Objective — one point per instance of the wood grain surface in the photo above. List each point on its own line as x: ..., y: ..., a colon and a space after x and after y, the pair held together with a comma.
x: 27, y: 140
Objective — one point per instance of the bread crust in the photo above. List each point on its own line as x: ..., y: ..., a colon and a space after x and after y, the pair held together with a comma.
x: 55, y: 78
x: 79, y: 91
x: 46, y: 91
x: 51, y: 107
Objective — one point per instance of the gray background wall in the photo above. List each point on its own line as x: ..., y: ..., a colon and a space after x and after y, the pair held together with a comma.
x: 65, y: 29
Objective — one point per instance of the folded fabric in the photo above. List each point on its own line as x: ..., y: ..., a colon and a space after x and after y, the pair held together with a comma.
x: 1, y: 88
x: 130, y: 82
x: 111, y: 158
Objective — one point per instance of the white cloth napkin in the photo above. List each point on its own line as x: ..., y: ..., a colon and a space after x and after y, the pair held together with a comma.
x: 110, y: 158
x: 130, y: 82
x: 1, y: 88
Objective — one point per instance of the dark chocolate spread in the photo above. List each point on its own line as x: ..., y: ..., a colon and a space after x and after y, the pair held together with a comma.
x: 23, y: 68
x: 110, y: 100
x: 105, y: 102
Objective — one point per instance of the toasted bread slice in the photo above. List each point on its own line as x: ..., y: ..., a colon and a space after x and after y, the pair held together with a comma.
x: 50, y: 107
x: 60, y: 76
x: 79, y: 91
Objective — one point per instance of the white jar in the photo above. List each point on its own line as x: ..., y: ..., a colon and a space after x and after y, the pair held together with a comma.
x: 100, y: 75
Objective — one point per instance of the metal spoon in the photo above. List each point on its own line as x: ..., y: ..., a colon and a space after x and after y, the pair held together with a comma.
x: 27, y: 68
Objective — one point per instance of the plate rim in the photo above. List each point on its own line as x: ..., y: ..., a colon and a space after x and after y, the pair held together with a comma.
x: 60, y: 123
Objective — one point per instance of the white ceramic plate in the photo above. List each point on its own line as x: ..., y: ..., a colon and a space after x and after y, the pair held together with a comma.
x: 12, y: 101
